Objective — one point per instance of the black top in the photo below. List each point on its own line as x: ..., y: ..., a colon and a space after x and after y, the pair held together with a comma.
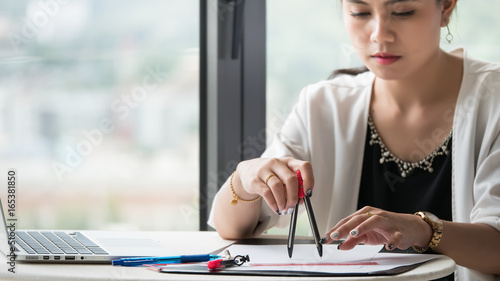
x: 382, y: 185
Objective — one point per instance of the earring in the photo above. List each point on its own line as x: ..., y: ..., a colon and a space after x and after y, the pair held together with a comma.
x: 449, y: 36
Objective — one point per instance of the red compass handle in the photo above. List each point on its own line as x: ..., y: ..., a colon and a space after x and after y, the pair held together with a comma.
x: 301, y: 185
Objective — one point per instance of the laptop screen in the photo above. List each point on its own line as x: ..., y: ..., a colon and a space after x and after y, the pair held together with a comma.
x: 4, y: 241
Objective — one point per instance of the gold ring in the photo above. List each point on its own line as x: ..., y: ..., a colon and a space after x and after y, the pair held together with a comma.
x: 369, y: 214
x: 269, y: 177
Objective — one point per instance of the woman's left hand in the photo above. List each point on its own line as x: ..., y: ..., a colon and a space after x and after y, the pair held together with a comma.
x: 374, y: 226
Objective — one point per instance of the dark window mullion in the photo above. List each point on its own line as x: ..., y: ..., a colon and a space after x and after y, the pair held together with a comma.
x: 232, y: 89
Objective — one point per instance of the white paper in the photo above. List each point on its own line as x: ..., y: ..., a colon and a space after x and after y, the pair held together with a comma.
x: 361, y: 259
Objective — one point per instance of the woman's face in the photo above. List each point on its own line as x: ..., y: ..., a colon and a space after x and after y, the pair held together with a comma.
x: 394, y: 38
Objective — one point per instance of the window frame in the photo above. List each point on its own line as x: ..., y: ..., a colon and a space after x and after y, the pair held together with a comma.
x: 232, y: 91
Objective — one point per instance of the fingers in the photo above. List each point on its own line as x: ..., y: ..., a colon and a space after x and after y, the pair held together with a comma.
x: 346, y: 225
x: 374, y: 227
x: 306, y: 171
x: 284, y: 187
x: 365, y: 228
x: 291, y: 185
x: 276, y: 181
x: 268, y: 196
x: 286, y: 172
x: 395, y: 242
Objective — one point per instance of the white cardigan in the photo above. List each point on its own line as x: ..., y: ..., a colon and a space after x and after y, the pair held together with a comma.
x: 328, y: 128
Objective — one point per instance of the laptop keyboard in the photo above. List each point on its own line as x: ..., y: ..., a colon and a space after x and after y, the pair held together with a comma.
x: 57, y: 242
x: 65, y: 247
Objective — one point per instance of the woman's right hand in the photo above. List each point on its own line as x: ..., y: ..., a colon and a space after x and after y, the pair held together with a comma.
x: 281, y: 190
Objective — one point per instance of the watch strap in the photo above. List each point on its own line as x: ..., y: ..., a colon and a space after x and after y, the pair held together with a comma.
x: 437, y: 232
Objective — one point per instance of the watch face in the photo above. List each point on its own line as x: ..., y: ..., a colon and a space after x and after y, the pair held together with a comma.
x: 431, y: 216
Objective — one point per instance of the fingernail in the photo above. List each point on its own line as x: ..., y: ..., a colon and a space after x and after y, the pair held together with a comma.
x: 278, y: 212
x: 284, y: 212
x: 323, y: 240
x: 290, y: 210
x: 391, y: 247
x: 334, y: 235
x: 354, y: 232
x: 309, y: 193
x: 338, y: 247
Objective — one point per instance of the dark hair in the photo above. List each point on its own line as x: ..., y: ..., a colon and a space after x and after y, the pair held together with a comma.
x: 349, y: 71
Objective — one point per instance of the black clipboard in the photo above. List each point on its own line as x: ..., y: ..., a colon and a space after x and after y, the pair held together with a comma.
x: 304, y: 273
x: 197, y: 269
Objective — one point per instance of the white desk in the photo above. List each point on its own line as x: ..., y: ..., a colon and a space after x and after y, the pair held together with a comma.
x: 189, y: 243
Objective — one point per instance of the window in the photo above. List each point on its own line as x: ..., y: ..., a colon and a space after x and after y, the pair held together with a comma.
x: 471, y: 28
x: 99, y: 111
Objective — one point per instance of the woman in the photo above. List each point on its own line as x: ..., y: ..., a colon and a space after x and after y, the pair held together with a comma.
x: 417, y: 134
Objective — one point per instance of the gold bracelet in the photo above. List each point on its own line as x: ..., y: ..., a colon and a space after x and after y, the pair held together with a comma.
x: 236, y: 198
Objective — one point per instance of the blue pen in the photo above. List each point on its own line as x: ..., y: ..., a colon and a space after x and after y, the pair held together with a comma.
x: 172, y: 259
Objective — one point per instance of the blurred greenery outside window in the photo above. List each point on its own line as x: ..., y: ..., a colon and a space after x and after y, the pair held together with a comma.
x: 306, y: 41
x: 99, y: 112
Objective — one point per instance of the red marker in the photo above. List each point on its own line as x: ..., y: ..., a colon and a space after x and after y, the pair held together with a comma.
x: 221, y: 263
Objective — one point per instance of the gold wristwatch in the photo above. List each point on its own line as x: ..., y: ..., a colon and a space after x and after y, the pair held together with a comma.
x: 437, y: 231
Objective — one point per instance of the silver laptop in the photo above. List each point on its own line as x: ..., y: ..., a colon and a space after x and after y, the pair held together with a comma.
x: 62, y: 246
